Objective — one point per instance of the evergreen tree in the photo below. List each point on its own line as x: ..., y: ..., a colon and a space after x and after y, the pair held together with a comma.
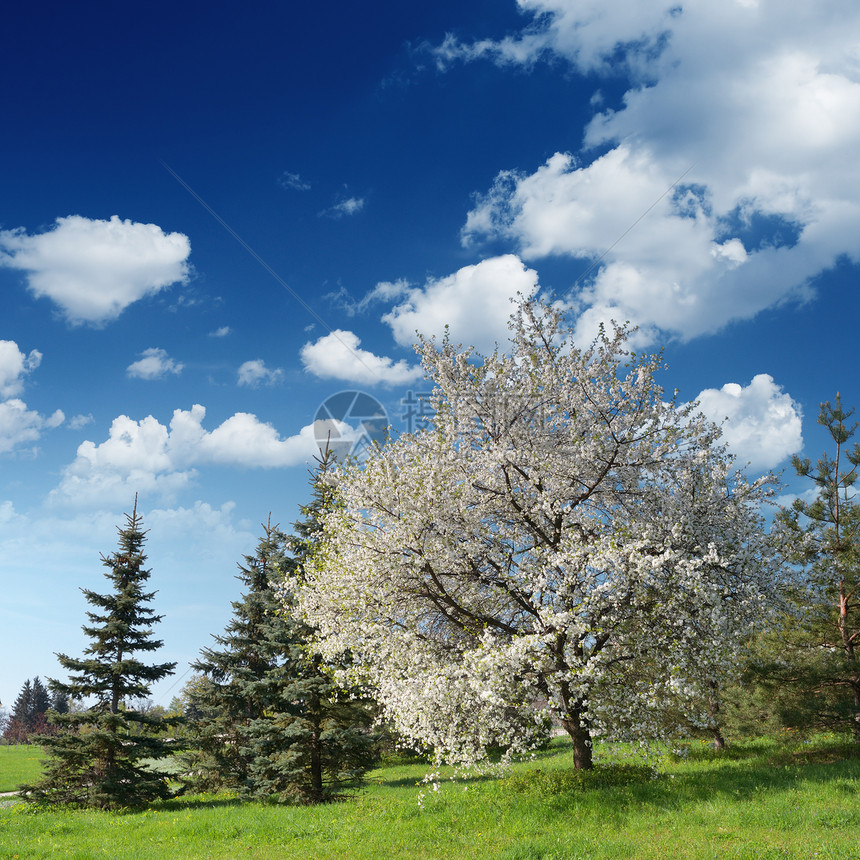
x: 17, y: 730
x: 818, y: 672
x: 223, y: 698
x: 60, y: 702
x: 23, y: 704
x: 273, y: 725
x: 95, y: 760
x: 40, y: 702
x: 28, y: 713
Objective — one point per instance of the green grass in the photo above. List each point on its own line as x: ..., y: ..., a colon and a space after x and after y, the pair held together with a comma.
x: 19, y: 763
x: 760, y: 799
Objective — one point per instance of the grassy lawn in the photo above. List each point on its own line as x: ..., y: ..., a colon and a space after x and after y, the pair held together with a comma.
x: 19, y: 763
x: 761, y: 799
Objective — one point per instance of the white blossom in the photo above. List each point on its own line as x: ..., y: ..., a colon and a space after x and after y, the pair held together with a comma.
x: 561, y: 542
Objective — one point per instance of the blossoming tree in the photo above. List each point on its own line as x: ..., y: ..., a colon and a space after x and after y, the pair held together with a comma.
x: 561, y: 542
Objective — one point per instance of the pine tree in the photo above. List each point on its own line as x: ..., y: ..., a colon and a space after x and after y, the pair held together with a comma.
x: 28, y: 713
x: 273, y: 725
x: 41, y: 701
x: 95, y: 760
x: 60, y: 702
x: 818, y: 671
x: 17, y: 730
x: 23, y: 704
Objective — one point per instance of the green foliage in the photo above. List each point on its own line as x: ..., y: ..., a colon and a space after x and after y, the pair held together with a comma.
x: 269, y: 721
x: 749, y: 708
x: 95, y: 756
x: 815, y: 674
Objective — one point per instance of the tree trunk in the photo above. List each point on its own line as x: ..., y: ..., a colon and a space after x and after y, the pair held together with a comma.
x: 576, y: 725
x: 714, y: 709
x: 850, y: 654
x: 856, y: 726
x: 316, y: 756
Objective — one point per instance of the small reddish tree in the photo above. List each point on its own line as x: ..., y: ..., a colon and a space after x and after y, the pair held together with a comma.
x: 29, y: 713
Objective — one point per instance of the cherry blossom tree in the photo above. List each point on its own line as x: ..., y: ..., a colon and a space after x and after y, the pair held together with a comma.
x: 562, y: 542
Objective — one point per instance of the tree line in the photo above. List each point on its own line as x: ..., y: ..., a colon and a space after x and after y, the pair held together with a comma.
x: 563, y: 545
x: 30, y: 711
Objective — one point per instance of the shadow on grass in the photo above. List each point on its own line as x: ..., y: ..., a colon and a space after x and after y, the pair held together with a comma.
x: 557, y: 746
x: 418, y: 781
x: 196, y: 801
x: 740, y: 772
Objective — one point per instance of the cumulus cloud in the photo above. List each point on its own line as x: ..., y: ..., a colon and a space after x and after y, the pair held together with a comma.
x: 733, y: 137
x: 474, y: 302
x: 94, y: 269
x: 153, y: 364
x: 14, y: 365
x: 761, y: 423
x: 344, y: 208
x: 223, y: 331
x: 20, y: 425
x: 148, y: 457
x: 338, y: 355
x: 255, y: 373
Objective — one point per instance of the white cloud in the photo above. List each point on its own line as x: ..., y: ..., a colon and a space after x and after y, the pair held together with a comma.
x: 94, y: 269
x: 786, y: 500
x: 761, y: 423
x: 474, y: 302
x: 153, y: 364
x: 221, y: 332
x: 384, y: 291
x: 8, y: 513
x: 255, y: 373
x: 77, y: 422
x: 293, y: 181
x: 759, y: 102
x: 339, y: 356
x: 349, y: 206
x: 20, y: 425
x: 586, y: 32
x: 148, y: 457
x: 14, y: 365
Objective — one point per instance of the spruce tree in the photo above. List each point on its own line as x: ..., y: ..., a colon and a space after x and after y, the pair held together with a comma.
x: 95, y: 758
x: 224, y: 698
x: 41, y: 701
x: 17, y: 730
x: 29, y: 713
x: 60, y: 702
x: 817, y: 671
x: 23, y: 704
x: 274, y: 726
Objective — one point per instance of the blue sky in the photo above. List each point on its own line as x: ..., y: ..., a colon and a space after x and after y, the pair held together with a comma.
x: 689, y: 167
